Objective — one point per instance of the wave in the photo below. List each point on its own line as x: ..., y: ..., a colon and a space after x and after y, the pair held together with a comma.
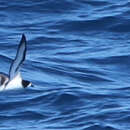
x: 77, y: 59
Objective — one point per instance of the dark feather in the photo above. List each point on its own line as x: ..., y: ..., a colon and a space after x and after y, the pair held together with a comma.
x: 20, y: 57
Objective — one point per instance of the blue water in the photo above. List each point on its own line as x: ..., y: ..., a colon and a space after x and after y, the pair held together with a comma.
x: 78, y: 59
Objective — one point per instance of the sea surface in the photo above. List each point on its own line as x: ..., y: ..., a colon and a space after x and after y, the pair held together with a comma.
x: 78, y: 59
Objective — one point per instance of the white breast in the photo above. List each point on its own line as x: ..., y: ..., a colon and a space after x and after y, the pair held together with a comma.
x: 15, y: 82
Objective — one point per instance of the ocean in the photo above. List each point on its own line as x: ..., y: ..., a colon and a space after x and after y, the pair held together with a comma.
x: 78, y: 59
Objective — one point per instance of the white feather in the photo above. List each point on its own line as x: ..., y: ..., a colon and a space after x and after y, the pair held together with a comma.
x: 15, y: 83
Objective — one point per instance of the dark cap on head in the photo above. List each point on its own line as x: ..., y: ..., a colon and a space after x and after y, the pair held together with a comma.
x: 26, y: 83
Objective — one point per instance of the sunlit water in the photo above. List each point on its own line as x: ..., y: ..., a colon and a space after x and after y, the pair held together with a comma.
x: 78, y: 60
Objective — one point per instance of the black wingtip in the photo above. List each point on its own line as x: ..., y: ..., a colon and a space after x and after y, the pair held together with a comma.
x: 23, y: 37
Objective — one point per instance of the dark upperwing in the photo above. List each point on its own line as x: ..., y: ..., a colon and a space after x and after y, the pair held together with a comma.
x: 20, y: 57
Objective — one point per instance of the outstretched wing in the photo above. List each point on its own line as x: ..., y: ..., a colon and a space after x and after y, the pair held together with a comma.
x: 20, y: 57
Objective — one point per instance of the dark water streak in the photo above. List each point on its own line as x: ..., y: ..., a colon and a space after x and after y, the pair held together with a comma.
x: 78, y: 59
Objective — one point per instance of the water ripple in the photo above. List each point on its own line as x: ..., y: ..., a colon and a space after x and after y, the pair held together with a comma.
x: 77, y: 59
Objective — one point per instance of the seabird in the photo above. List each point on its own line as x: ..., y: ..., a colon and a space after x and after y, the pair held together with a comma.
x: 14, y: 79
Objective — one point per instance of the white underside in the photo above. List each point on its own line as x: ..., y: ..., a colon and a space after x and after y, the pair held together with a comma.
x: 15, y: 83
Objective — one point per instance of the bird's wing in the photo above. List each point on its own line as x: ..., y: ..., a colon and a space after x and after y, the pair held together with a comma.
x: 20, y: 57
x: 3, y: 79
